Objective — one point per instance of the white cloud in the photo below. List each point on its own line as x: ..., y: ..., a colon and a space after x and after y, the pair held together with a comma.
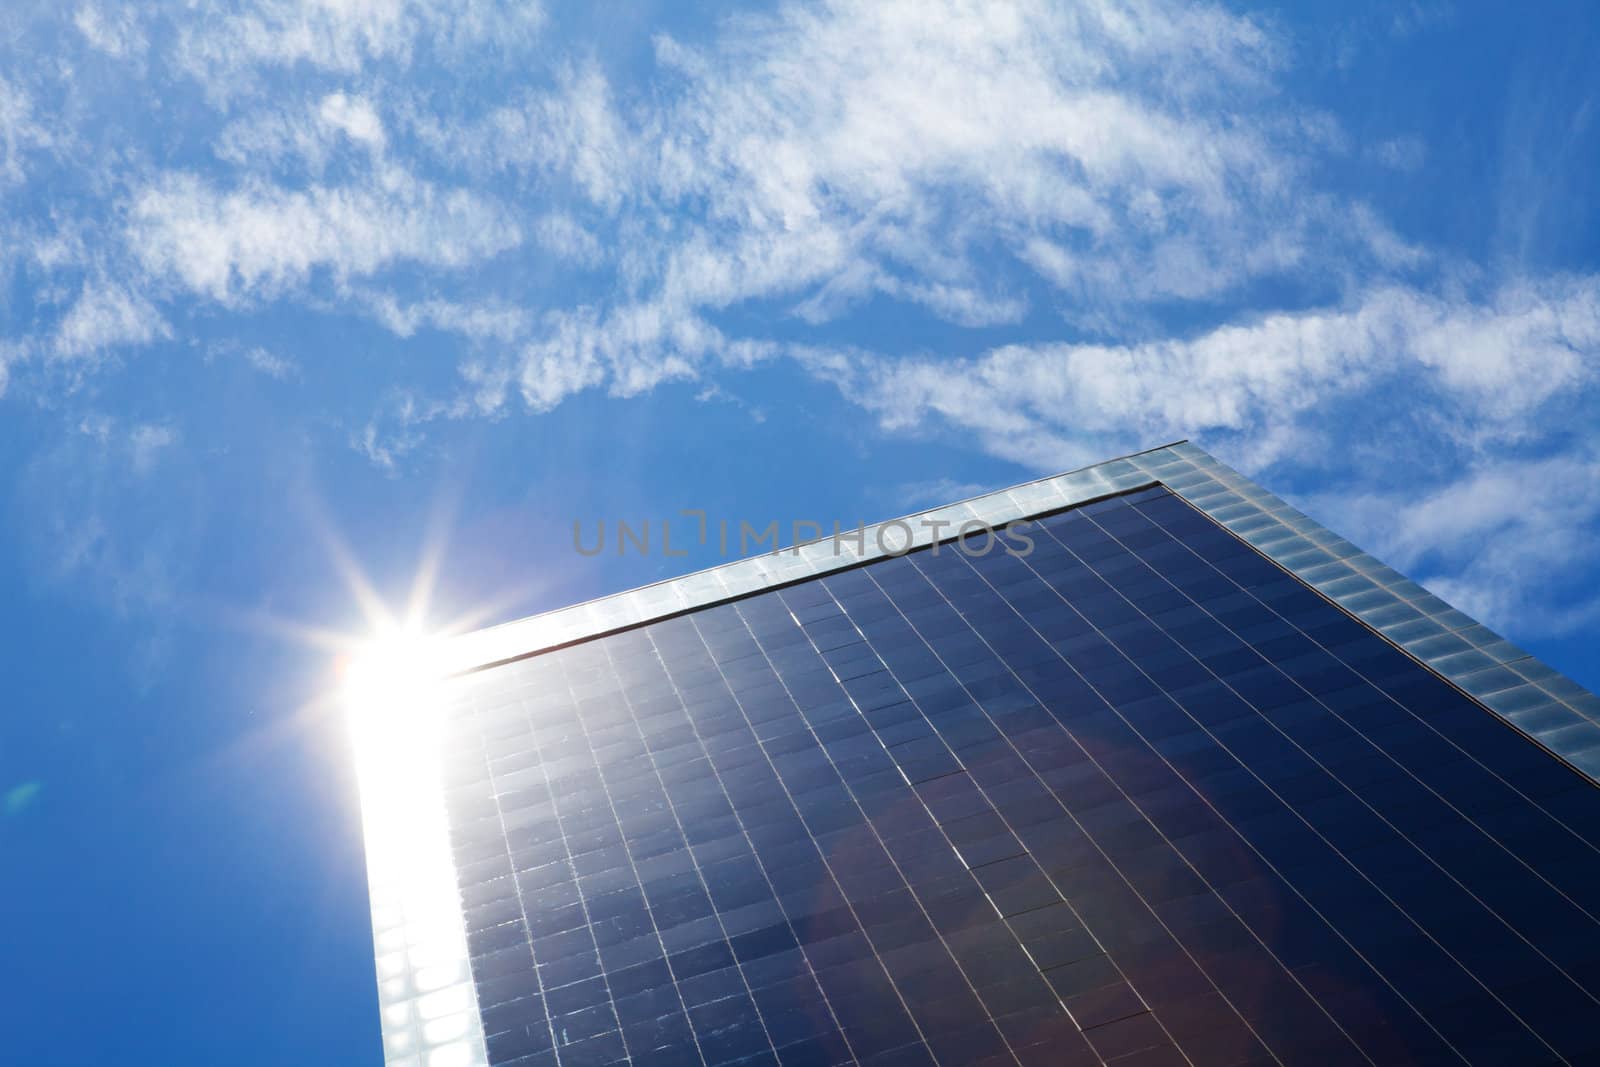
x: 1405, y: 154
x: 575, y: 131
x: 815, y: 158
x: 960, y: 304
x: 146, y: 442
x: 20, y: 132
x: 1535, y: 341
x: 1500, y: 541
x: 1387, y: 248
x: 309, y: 135
x: 1056, y: 174
x: 634, y: 350
x: 355, y: 117
x: 259, y: 239
x: 390, y: 435
x: 1491, y: 366
x: 223, y: 47
x: 273, y: 137
x: 138, y: 446
x: 896, y: 142
x: 104, y: 316
x: 116, y: 33
x: 487, y: 321
x: 563, y: 236
x: 1121, y: 154
x: 273, y: 366
x: 629, y: 350
x: 712, y: 393
x: 1470, y: 420
x: 256, y: 357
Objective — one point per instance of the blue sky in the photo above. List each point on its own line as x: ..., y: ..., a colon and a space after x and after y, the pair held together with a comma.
x: 297, y: 289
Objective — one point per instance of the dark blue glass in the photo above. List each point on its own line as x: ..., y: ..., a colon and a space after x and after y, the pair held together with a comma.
x: 1137, y: 792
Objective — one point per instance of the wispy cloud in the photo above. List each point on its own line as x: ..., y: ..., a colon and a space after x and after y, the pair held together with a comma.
x: 821, y: 158
x: 308, y: 136
x: 1114, y: 220
x: 147, y: 442
x: 21, y: 132
x: 875, y: 147
x: 1490, y: 367
x: 116, y: 31
x: 272, y: 365
x: 104, y: 316
x: 392, y: 433
x: 1400, y: 153
x: 258, y: 358
x: 1499, y: 541
x: 258, y: 239
x: 483, y: 321
x: 565, y: 237
x: 224, y: 48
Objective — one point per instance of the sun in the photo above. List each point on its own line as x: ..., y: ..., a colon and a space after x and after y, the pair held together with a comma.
x: 389, y: 694
x: 388, y: 684
x: 392, y: 671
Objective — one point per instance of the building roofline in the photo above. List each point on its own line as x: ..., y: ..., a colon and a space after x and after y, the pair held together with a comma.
x: 1533, y: 697
x: 530, y: 635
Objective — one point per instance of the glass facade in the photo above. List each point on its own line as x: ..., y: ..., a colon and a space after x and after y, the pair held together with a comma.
x: 1140, y: 796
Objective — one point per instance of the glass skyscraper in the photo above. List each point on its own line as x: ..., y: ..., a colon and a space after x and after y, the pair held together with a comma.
x: 1165, y: 774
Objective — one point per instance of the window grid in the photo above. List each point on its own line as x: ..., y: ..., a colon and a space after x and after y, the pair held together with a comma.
x: 1198, y: 799
x: 812, y: 707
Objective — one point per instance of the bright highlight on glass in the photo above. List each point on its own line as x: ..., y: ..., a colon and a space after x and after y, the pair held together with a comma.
x: 391, y: 697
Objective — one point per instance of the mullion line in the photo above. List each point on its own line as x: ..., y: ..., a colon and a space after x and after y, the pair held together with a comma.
x: 583, y: 903
x: 1202, y: 799
x: 689, y: 849
x: 1411, y: 659
x: 879, y: 839
x: 1466, y: 818
x: 1067, y: 811
x: 1362, y: 874
x: 475, y: 695
x: 632, y: 863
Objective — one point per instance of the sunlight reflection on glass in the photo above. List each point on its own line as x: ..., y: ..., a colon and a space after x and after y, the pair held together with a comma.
x: 390, y: 693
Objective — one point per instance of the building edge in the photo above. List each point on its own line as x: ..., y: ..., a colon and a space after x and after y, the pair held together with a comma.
x: 1531, y: 697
